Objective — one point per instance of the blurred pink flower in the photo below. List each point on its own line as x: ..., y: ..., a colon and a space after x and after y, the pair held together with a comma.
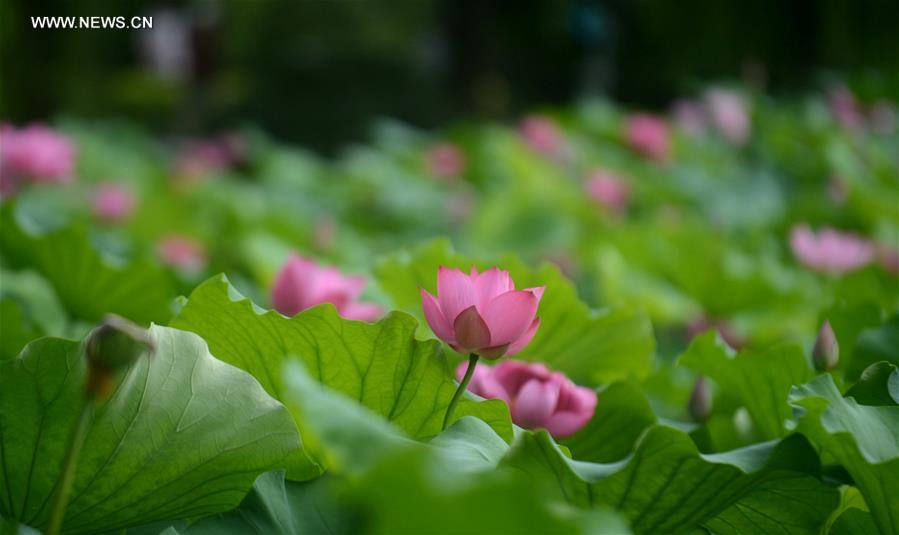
x: 34, y: 153
x: 445, y: 160
x: 830, y: 251
x: 302, y: 284
x: 845, y: 108
x: 648, y: 135
x: 689, y: 117
x: 200, y: 157
x: 542, y: 135
x: 482, y: 313
x: 608, y: 190
x: 182, y: 252
x: 537, y: 397
x: 730, y: 114
x: 112, y: 202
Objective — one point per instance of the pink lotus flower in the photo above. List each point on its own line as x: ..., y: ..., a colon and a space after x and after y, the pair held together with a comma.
x: 112, y: 202
x: 482, y: 313
x: 182, y: 252
x: 648, y: 135
x: 608, y: 190
x: 34, y: 153
x: 729, y: 112
x: 445, y: 160
x: 537, y: 398
x: 302, y: 284
x: 542, y: 135
x: 830, y: 250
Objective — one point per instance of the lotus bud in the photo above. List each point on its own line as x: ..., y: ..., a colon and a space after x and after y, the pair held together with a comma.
x: 700, y: 404
x: 112, y: 346
x: 826, y: 353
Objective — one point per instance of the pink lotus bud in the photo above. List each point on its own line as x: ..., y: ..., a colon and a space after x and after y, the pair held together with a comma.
x: 182, y: 252
x: 542, y: 135
x: 826, y: 353
x: 34, y: 153
x: 689, y: 117
x: 537, y: 398
x: 729, y: 112
x: 112, y: 202
x: 830, y: 251
x: 482, y: 313
x: 302, y: 284
x: 845, y: 108
x: 608, y: 190
x: 700, y: 404
x: 648, y: 135
x: 445, y: 160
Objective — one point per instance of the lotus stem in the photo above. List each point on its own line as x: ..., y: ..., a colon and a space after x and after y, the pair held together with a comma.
x: 472, y: 362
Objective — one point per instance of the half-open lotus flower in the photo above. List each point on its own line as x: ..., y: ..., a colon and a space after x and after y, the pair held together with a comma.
x: 482, y: 313
x: 302, y: 284
x: 537, y: 397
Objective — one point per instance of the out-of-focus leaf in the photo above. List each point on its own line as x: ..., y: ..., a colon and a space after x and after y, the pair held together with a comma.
x: 667, y: 486
x: 381, y: 365
x: 184, y: 435
x: 87, y: 284
x: 758, y: 380
x: 278, y: 506
x: 878, y: 385
x: 863, y: 439
x: 589, y: 346
x: 874, y: 345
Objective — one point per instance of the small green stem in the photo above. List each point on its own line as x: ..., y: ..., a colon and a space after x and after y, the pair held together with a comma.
x: 472, y: 362
x: 64, y: 487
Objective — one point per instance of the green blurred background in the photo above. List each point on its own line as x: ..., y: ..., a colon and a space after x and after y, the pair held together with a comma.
x: 320, y: 72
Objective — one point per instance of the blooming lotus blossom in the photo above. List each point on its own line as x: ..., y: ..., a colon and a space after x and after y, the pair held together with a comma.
x: 648, y: 135
x: 482, y: 313
x: 182, y: 252
x: 830, y: 250
x: 302, y: 284
x: 112, y: 202
x: 537, y: 397
x: 445, y: 160
x: 34, y: 153
x: 542, y: 135
x: 608, y: 190
x: 729, y: 112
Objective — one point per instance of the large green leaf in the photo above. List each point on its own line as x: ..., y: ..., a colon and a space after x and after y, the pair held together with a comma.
x: 878, y: 385
x: 757, y: 380
x: 184, y: 435
x: 589, y: 346
x: 278, y: 506
x: 667, y: 486
x: 381, y: 365
x: 88, y: 284
x: 863, y: 439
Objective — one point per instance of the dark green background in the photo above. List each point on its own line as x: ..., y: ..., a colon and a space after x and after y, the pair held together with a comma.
x: 318, y: 71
